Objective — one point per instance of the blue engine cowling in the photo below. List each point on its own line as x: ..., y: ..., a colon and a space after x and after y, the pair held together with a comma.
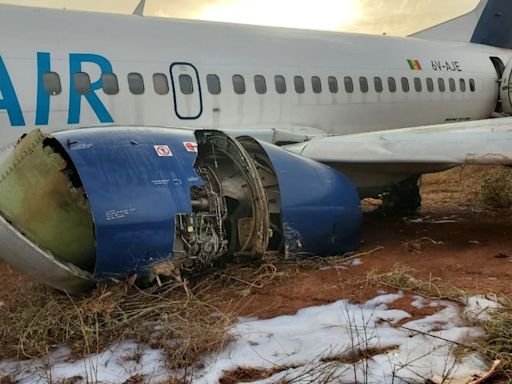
x: 162, y: 199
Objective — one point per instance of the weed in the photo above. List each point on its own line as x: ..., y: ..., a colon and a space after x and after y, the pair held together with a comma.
x: 496, y: 189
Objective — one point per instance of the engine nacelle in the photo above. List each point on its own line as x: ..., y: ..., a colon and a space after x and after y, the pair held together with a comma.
x: 86, y: 205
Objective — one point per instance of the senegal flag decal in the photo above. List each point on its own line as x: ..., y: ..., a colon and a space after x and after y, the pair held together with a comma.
x: 414, y: 64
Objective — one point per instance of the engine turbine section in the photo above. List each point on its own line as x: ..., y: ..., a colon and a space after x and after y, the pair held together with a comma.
x: 88, y: 205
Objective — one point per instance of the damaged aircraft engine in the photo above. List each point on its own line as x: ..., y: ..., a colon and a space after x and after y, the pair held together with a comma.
x: 87, y: 205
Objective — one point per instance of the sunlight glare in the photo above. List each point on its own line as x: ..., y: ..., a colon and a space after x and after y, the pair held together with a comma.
x: 320, y: 14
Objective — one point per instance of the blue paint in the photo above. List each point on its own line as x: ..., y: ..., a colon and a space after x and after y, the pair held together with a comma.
x: 494, y: 27
x: 10, y: 101
x: 132, y: 206
x: 320, y: 207
x: 75, y: 65
x: 43, y: 98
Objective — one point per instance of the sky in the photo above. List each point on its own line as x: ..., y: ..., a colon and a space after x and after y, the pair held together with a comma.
x: 393, y: 17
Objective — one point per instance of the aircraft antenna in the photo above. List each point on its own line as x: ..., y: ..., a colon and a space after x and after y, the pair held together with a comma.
x: 139, y: 11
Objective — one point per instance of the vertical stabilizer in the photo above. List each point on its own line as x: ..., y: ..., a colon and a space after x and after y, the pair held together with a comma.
x: 139, y: 11
x: 489, y: 23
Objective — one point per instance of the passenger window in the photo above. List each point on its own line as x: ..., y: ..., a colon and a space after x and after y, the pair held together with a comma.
x: 333, y: 84
x: 110, y: 84
x: 472, y: 86
x: 260, y: 84
x: 441, y: 84
x: 349, y: 84
x: 160, y: 84
x: 462, y: 84
x: 186, y: 84
x: 363, y: 84
x: 392, y: 84
x: 82, y: 83
x: 52, y: 85
x: 280, y: 84
x: 452, y: 84
x: 213, y: 84
x: 299, y: 84
x: 377, y: 81
x: 417, y: 84
x: 316, y: 84
x: 136, y: 83
x: 430, y: 84
x: 405, y: 84
x: 239, y: 84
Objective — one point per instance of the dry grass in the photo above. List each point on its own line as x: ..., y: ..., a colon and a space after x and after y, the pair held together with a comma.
x: 171, y: 317
x: 497, y: 344
x: 471, y: 186
x: 496, y: 189
x: 402, y: 277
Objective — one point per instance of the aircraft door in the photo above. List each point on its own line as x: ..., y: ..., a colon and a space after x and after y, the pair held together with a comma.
x: 188, y: 103
x: 506, y: 89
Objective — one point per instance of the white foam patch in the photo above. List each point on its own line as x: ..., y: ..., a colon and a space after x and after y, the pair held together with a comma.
x: 311, y: 346
x: 479, y: 307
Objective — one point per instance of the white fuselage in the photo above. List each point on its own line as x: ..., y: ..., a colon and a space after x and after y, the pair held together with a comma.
x: 36, y: 41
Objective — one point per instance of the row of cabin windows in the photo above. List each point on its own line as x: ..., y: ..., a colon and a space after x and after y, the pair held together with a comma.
x: 260, y: 85
x: 82, y: 83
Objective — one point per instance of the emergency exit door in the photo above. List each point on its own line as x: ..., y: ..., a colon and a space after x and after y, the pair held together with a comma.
x: 188, y: 103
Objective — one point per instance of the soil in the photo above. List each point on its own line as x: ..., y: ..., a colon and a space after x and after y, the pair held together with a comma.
x: 452, y: 238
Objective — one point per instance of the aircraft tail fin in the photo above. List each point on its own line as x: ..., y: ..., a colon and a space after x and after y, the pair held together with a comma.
x: 489, y: 24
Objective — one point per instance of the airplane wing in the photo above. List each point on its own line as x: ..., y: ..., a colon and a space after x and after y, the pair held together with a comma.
x: 383, y: 158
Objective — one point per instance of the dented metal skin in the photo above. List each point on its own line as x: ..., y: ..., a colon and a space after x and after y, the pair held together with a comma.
x: 164, y: 199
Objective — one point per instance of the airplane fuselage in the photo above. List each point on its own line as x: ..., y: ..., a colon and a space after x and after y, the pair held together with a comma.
x: 110, y: 69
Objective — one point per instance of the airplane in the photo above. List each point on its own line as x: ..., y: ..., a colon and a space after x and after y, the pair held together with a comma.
x: 96, y: 89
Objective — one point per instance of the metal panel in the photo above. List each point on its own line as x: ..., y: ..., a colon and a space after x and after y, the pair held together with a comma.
x: 136, y: 181
x: 321, y: 210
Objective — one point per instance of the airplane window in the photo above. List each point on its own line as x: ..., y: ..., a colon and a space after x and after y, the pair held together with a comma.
x: 392, y: 84
x: 417, y: 84
x: 160, y: 84
x: 299, y: 84
x: 239, y: 84
x: 82, y: 83
x: 377, y: 81
x: 440, y: 82
x: 349, y: 84
x: 452, y: 84
x: 110, y: 84
x: 405, y: 84
x: 260, y: 84
x: 213, y: 83
x: 333, y: 84
x: 280, y: 84
x: 52, y: 85
x: 316, y: 83
x: 186, y: 84
x: 462, y: 83
x: 363, y: 84
x: 430, y: 84
x: 136, y: 83
x: 472, y: 85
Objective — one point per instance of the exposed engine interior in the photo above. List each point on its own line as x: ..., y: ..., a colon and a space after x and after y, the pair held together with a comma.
x: 237, y: 209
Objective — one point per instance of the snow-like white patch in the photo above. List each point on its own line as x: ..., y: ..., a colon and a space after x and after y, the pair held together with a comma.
x: 478, y: 307
x: 116, y: 365
x: 310, y: 346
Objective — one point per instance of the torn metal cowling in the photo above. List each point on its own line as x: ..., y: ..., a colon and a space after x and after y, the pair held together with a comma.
x: 87, y: 205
